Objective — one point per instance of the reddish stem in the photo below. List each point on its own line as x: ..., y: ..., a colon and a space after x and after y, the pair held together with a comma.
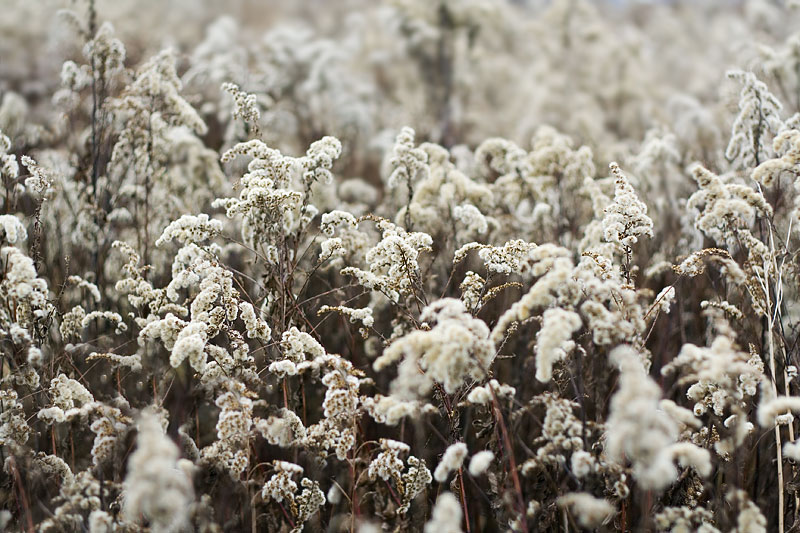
x: 512, y: 462
x: 463, y: 497
x: 26, y: 510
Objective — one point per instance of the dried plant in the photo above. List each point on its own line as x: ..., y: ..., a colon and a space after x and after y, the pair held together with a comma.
x: 453, y: 266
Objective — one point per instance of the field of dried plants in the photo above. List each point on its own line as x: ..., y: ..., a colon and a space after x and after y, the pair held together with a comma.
x: 399, y: 265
